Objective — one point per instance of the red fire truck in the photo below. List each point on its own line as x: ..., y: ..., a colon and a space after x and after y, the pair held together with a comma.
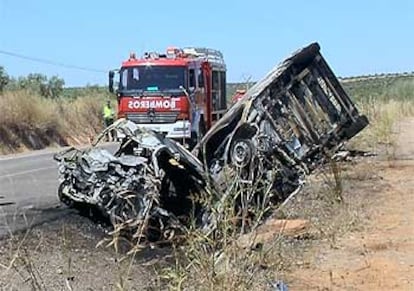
x: 180, y: 93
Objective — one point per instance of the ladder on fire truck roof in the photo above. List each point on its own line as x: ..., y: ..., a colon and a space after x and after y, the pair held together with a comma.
x: 211, y: 55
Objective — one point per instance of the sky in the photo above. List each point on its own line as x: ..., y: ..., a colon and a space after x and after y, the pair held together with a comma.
x: 356, y: 37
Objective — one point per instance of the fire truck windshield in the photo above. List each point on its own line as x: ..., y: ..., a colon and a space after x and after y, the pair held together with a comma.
x: 152, y: 78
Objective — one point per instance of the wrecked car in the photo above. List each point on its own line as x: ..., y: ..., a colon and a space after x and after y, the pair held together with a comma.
x: 281, y: 130
x: 149, y: 182
x: 251, y: 161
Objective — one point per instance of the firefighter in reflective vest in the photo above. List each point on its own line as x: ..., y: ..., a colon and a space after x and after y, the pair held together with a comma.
x: 108, y: 116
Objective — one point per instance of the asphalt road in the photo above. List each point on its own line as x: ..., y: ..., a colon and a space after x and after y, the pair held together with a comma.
x: 28, y: 190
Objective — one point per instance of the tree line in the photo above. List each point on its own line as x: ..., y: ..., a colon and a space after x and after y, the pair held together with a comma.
x: 47, y: 87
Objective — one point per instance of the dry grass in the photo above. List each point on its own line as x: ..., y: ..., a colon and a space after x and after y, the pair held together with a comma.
x: 23, y: 109
x: 383, y: 116
x: 82, y: 117
x: 222, y: 262
x: 333, y: 201
x: 29, y: 121
x: 202, y: 263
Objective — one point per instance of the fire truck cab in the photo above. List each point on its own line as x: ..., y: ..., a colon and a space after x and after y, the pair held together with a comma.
x: 180, y: 93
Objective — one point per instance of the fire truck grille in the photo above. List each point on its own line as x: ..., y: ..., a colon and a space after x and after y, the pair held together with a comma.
x: 161, y: 117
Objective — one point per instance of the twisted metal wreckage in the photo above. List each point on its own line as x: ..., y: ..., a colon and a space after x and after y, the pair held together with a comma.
x: 252, y: 159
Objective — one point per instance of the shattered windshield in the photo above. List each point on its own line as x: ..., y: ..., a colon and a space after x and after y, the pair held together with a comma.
x: 152, y: 78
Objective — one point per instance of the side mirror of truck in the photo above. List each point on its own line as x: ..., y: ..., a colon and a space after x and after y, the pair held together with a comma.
x: 111, y: 81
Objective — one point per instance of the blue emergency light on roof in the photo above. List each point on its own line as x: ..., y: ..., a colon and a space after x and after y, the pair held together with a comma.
x: 152, y: 88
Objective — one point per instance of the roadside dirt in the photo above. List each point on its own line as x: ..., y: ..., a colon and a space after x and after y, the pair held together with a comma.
x: 66, y: 254
x: 367, y: 243
x: 381, y: 257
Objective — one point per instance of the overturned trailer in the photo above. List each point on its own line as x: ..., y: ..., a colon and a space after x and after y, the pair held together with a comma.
x: 249, y: 163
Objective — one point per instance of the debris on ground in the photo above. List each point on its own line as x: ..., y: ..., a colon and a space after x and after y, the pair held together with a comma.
x: 250, y: 162
x: 266, y: 233
x: 279, y: 286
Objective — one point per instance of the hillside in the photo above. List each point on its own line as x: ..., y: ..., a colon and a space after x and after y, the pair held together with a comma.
x: 382, y: 87
x: 75, y: 115
x: 386, y: 87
